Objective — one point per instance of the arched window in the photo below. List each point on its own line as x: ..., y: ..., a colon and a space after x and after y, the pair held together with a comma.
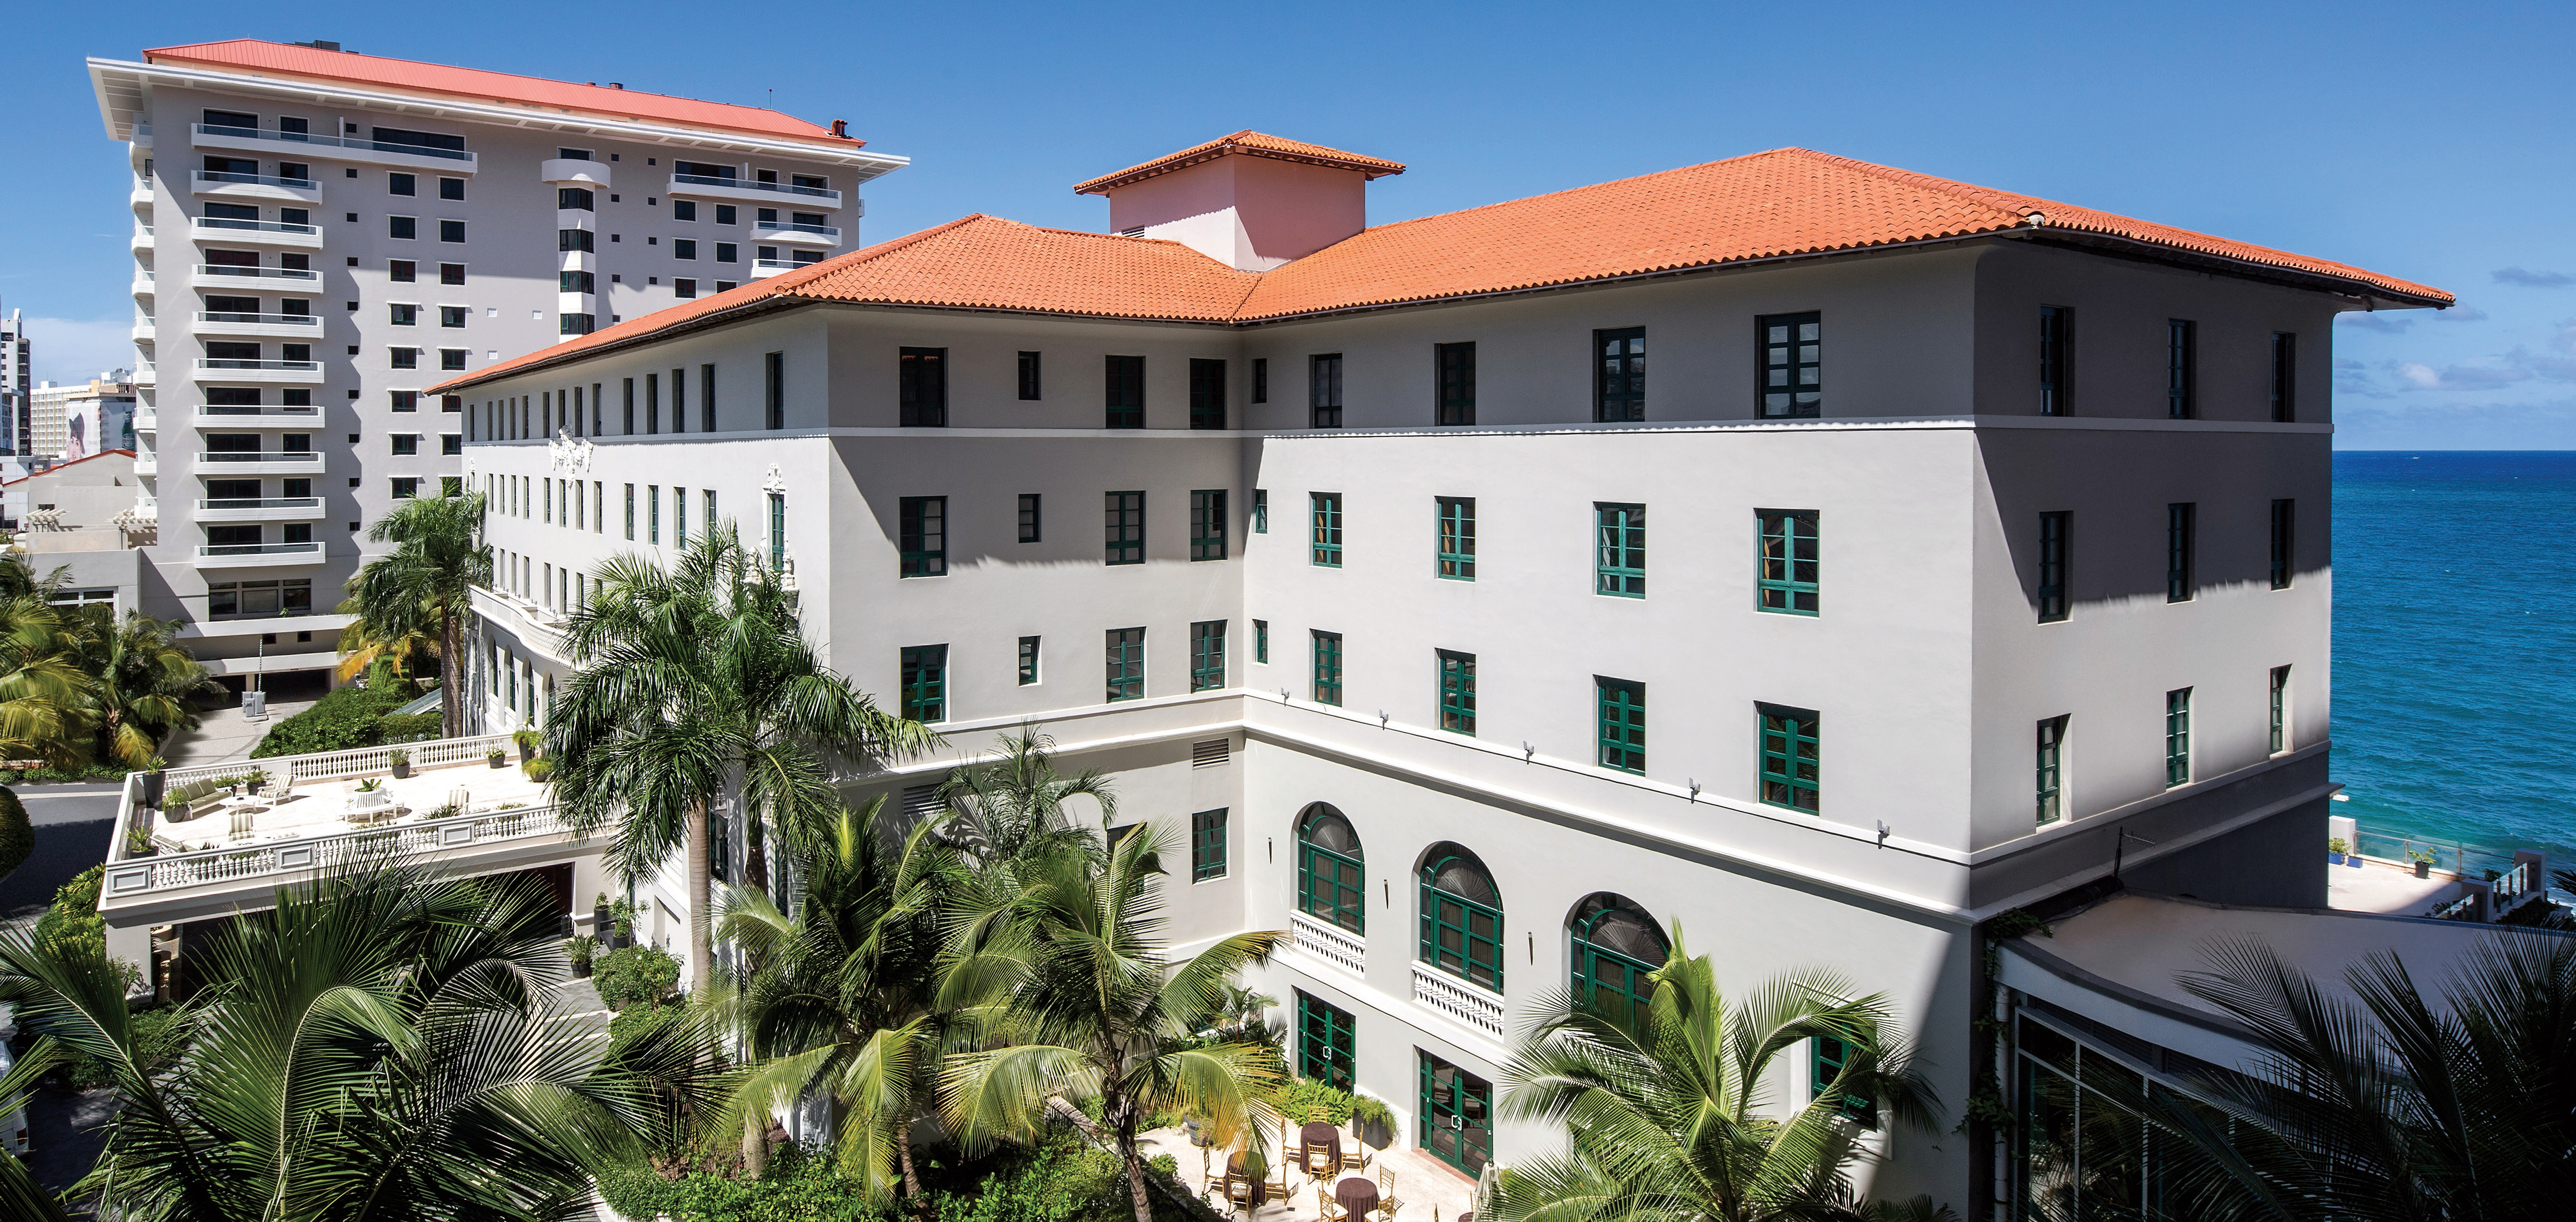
x: 1331, y: 872
x: 1615, y: 945
x: 1462, y: 917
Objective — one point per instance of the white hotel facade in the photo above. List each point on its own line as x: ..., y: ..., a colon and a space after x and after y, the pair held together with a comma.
x: 343, y: 230
x: 1956, y: 550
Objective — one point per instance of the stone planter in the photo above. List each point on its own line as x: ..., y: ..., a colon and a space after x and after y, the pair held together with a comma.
x: 402, y: 770
x: 498, y: 760
x: 153, y: 783
x: 2423, y: 869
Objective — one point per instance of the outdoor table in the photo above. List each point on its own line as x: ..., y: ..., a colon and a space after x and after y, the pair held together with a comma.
x: 1356, y: 1196
x: 1319, y: 1135
x: 1234, y: 1170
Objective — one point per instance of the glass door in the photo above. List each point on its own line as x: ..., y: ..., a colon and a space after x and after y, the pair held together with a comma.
x: 1457, y: 1111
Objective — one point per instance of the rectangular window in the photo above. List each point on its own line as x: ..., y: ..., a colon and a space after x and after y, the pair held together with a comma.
x: 1326, y: 1043
x: 2056, y: 536
x: 679, y: 400
x: 1791, y: 359
x: 406, y: 228
x: 1621, y: 706
x: 1831, y: 1056
x: 1324, y: 391
x: 1456, y: 369
x: 2285, y: 377
x: 629, y: 405
x: 1207, y: 655
x: 652, y: 403
x: 2052, y: 770
x: 400, y: 271
x: 1029, y: 517
x: 2284, y: 542
x: 451, y: 273
x: 925, y: 682
x: 774, y: 388
x: 1207, y: 394
x: 921, y: 387
x: 706, y: 399
x: 922, y: 524
x: 2180, y: 525
x: 1261, y: 379
x: 2182, y: 367
x: 1328, y: 667
x: 1619, y: 374
x: 1126, y: 664
x: 653, y: 514
x: 1207, y: 845
x: 1124, y: 393
x: 1123, y: 538
x: 1261, y: 511
x: 2056, y: 353
x: 574, y: 239
x: 1457, y: 533
x: 1029, y: 384
x: 679, y: 517
x: 1326, y: 510
x: 2280, y: 709
x: 778, y: 530
x: 2177, y: 737
x: 1028, y: 661
x: 1457, y: 692
x: 1619, y: 561
x: 1788, y: 565
x: 684, y: 248
x: 1261, y: 641
x: 1789, y: 750
x: 630, y: 513
x: 1208, y: 524
x: 451, y: 231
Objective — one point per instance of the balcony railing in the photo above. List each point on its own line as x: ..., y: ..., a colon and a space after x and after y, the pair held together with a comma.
x: 275, y: 320
x: 244, y: 409
x: 259, y: 549
x: 227, y: 222
x: 265, y: 273
x: 226, y: 362
x: 1458, y: 999
x: 1330, y: 943
x: 296, y: 457
x: 829, y: 231
x: 331, y: 852
x: 261, y: 180
x: 781, y: 188
x: 261, y: 502
x: 261, y: 133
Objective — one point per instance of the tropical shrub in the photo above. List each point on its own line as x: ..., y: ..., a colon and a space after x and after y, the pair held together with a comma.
x: 346, y: 719
x: 17, y: 836
x: 1305, y: 1095
x: 635, y: 973
x: 159, y: 1038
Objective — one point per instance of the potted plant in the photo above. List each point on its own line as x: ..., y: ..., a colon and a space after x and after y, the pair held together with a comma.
x: 528, y: 741
x: 401, y: 761
x: 371, y: 785
x: 2423, y: 859
x: 2334, y: 850
x: 622, y: 928
x: 497, y: 758
x: 1372, y: 1121
x: 138, y: 841
x: 542, y: 771
x: 599, y: 916
x: 580, y: 951
x: 154, y: 783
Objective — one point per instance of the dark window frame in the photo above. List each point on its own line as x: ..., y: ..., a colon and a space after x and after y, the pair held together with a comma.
x: 1030, y: 382
x: 2284, y: 542
x: 1123, y: 526
x: 1797, y: 392
x: 2285, y: 377
x: 923, y: 680
x: 1619, y: 375
x: 1208, y: 524
x: 1324, y: 390
x: 1123, y: 392
x: 2055, y: 564
x: 2182, y: 530
x: 1126, y: 664
x: 1457, y: 691
x: 2056, y: 360
x: 921, y: 388
x: 921, y: 536
x: 1207, y: 655
x: 1789, y: 561
x: 2182, y: 368
x: 1453, y: 369
x: 1791, y: 757
x: 1207, y: 393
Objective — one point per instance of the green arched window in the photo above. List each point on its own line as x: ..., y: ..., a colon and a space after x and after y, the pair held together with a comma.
x: 1331, y: 872
x: 1462, y: 917
x: 1615, y: 945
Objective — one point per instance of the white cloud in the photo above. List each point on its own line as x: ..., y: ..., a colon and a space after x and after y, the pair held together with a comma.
x: 2419, y: 376
x: 74, y: 350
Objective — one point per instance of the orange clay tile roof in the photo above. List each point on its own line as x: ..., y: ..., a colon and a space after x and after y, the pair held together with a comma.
x: 1769, y: 205
x: 474, y: 84
x: 1248, y: 143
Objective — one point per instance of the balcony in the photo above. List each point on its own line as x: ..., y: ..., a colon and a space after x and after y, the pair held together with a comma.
x: 227, y: 369
x: 141, y: 241
x: 259, y: 462
x: 143, y: 283
x: 791, y: 231
x: 141, y: 196
x: 257, y: 555
x: 292, y: 326
x: 261, y: 509
x: 145, y: 332
x: 139, y: 135
x: 147, y: 420
x: 709, y: 186
x: 299, y: 145
x: 255, y: 233
x: 1330, y: 943
x: 762, y: 269
x: 147, y: 374
x: 146, y: 462
x: 573, y: 170
x: 272, y: 416
x: 1471, y: 1004
x: 254, y: 186
x: 229, y: 276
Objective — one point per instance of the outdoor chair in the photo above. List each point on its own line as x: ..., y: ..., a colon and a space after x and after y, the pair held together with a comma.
x: 1327, y: 1209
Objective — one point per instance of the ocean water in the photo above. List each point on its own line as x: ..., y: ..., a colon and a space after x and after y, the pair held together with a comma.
x: 2455, y: 645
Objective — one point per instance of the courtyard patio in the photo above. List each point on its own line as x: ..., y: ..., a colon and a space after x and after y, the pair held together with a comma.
x: 297, y: 809
x: 1404, y: 1184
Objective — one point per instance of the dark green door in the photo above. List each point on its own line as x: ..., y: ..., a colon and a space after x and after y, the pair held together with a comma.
x: 1457, y: 1115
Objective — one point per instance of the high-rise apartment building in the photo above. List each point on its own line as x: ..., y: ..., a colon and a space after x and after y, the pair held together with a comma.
x: 341, y: 231
x: 16, y: 367
x: 81, y: 420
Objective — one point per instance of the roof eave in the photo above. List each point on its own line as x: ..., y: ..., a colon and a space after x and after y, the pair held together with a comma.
x: 2121, y: 246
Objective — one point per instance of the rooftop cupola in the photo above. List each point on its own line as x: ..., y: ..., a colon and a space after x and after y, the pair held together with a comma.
x: 1247, y: 200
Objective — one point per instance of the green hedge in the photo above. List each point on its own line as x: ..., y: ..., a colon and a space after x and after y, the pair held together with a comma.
x: 1059, y: 1180
x: 634, y: 973
x: 349, y: 718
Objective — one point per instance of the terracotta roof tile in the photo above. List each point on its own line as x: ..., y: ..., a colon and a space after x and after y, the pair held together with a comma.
x: 1248, y: 143
x: 477, y: 85
x: 1766, y: 205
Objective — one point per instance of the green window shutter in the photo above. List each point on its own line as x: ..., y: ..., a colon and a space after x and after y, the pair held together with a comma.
x: 925, y: 682
x: 1208, y: 524
x: 1126, y: 664
x: 1620, y: 543
x: 1787, y: 561
x: 2052, y: 762
x: 2178, y: 737
x: 1622, y: 707
x: 1461, y: 934
x: 2055, y: 536
x: 922, y: 533
x: 1789, y: 757
x: 2280, y: 709
x: 1207, y: 655
x: 1326, y: 510
x: 778, y: 530
x: 1123, y: 523
x: 1328, y: 668
x: 1457, y: 534
x: 1458, y: 692
x: 1326, y: 1049
x: 1028, y: 660
x: 1207, y: 845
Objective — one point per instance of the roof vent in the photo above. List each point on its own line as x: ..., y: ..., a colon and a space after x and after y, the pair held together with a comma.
x: 1211, y: 753
x: 1137, y: 232
x: 617, y: 84
x: 840, y: 129
x: 318, y: 44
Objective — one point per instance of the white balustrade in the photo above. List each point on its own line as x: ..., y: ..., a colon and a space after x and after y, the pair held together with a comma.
x: 133, y: 875
x: 1458, y: 999
x: 364, y: 761
x: 1330, y: 943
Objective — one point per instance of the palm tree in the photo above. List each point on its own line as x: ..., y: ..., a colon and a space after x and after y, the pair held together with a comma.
x: 693, y: 680
x: 362, y: 646
x: 47, y: 702
x: 838, y: 999
x: 425, y: 584
x: 382, y: 1044
x: 144, y: 681
x: 2387, y: 1103
x: 1673, y: 1120
x: 1070, y: 968
x: 1014, y: 807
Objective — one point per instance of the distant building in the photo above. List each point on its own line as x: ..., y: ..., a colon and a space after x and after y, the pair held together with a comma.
x: 16, y: 359
x: 80, y: 516
x: 79, y: 421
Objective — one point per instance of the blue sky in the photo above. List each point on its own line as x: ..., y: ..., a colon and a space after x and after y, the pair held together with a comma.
x: 2427, y: 142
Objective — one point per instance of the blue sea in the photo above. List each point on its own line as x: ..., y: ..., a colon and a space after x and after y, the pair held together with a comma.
x: 2455, y: 645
